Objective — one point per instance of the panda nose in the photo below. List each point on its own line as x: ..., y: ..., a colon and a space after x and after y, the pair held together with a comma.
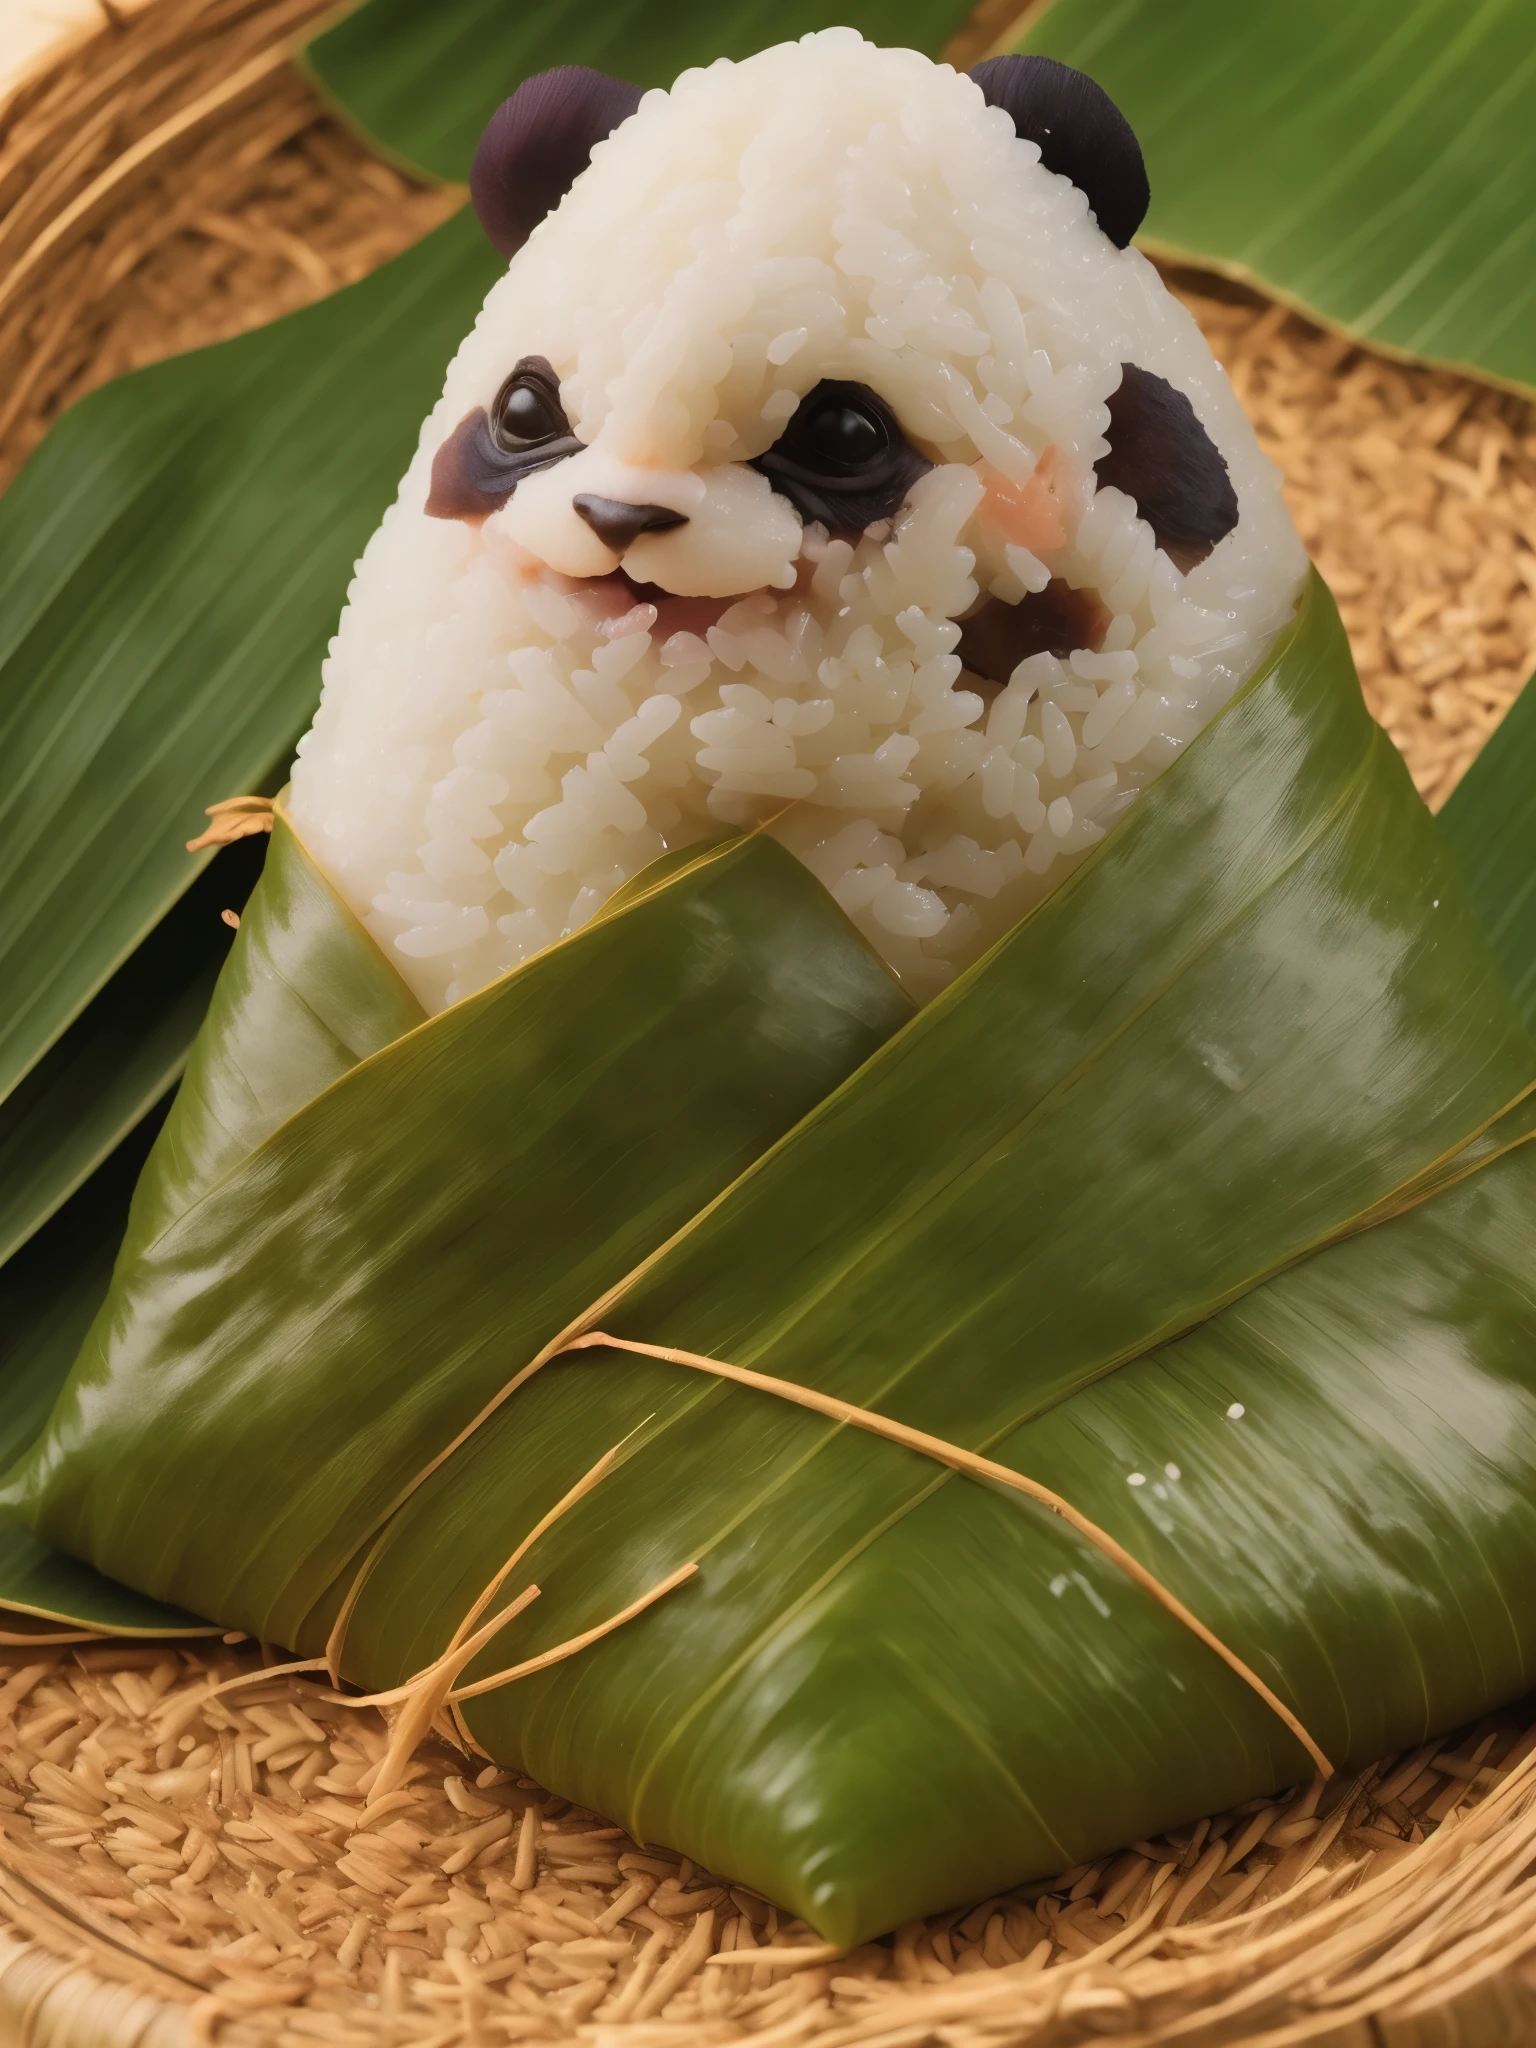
x: 617, y: 524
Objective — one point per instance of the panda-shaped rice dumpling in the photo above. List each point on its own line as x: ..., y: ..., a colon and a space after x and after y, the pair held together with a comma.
x: 825, y: 460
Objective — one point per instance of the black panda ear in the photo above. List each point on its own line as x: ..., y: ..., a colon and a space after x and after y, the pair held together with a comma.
x: 538, y: 143
x: 1080, y: 131
x: 1160, y: 455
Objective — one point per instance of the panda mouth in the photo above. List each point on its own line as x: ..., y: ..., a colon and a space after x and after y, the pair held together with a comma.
x: 674, y: 614
x: 642, y: 593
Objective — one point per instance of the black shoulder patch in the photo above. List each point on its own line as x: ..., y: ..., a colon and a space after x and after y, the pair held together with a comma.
x: 1160, y: 455
x: 1080, y: 131
x: 538, y: 143
x: 1058, y: 620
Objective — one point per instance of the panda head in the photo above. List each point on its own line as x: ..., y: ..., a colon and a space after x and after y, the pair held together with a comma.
x: 679, y: 389
x: 826, y: 461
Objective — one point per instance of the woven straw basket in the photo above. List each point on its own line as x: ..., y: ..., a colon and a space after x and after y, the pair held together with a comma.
x: 181, y: 1864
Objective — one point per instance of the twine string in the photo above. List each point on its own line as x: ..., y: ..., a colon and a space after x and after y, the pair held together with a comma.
x: 976, y: 1467
x: 429, y: 1692
x: 237, y: 817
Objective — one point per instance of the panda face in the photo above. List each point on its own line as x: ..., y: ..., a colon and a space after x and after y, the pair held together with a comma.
x: 842, y: 460
x: 666, y: 379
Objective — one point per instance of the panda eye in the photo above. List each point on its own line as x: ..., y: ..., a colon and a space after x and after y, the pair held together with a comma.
x: 489, y: 453
x: 843, y: 459
x: 527, y: 411
x: 838, y: 436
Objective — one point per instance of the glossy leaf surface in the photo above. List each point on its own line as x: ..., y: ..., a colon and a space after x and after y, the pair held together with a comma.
x: 121, y: 1054
x: 304, y: 996
x: 891, y: 1689
x: 1372, y: 163
x: 49, y: 1294
x: 449, y: 1202
x: 1259, y: 1010
x: 423, y: 81
x: 1490, y: 820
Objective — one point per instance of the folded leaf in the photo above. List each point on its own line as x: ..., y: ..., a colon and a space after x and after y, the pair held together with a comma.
x: 49, y: 1294
x: 305, y: 996
x: 890, y: 1689
x: 1261, y: 1016
x: 453, y: 1198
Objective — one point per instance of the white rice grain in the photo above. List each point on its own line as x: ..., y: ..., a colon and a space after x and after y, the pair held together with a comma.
x: 500, y: 746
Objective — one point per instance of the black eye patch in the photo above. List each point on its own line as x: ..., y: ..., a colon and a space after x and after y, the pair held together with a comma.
x: 843, y: 459
x: 489, y: 453
x: 1160, y: 455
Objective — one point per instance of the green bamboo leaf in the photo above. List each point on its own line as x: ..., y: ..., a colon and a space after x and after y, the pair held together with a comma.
x: 1372, y: 164
x: 890, y: 1690
x: 1260, y: 1008
x: 49, y: 1294
x: 421, y: 82
x: 1490, y: 819
x: 523, y: 1150
x: 304, y: 976
x: 1384, y: 1392
x: 120, y: 1056
x: 304, y: 996
x: 172, y: 562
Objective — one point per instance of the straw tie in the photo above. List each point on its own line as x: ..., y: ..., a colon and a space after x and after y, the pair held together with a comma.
x: 237, y: 817
x: 974, y: 1466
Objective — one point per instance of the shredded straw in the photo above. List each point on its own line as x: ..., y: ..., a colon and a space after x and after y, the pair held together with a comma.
x: 223, y: 1848
x: 235, y: 817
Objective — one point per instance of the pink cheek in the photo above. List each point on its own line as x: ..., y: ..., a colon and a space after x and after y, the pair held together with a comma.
x: 509, y: 556
x: 1027, y: 515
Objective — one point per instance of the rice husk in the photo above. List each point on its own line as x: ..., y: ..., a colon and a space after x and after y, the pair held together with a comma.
x: 1392, y: 1908
x: 220, y: 1853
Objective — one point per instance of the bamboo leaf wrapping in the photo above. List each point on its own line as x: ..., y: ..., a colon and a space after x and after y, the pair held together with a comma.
x: 1490, y: 821
x: 535, y: 1142
x: 1097, y: 1211
x: 49, y: 1292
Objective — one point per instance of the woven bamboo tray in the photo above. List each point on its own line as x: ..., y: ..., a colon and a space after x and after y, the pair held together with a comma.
x: 180, y: 1864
